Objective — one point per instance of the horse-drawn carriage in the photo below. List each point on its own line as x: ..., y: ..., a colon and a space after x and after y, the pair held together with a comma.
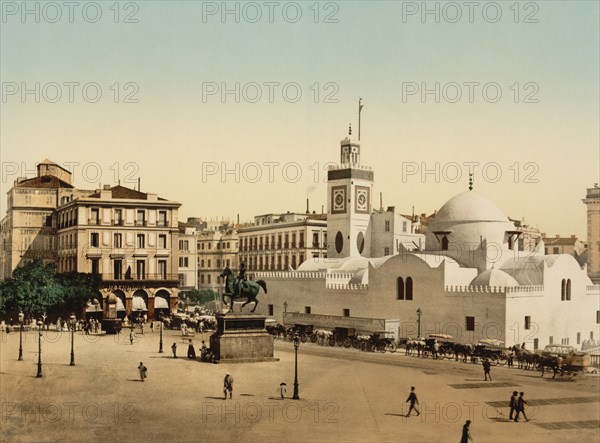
x: 304, y: 331
x: 345, y: 337
x: 566, y: 360
x: 381, y: 341
x: 491, y: 350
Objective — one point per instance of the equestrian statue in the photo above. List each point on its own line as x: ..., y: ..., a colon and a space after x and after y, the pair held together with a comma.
x: 240, y: 288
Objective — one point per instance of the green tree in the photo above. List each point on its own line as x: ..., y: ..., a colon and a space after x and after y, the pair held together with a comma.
x: 200, y: 297
x: 33, y: 289
x: 78, y: 288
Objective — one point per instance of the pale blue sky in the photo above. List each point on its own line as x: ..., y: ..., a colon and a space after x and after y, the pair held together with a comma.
x: 370, y: 52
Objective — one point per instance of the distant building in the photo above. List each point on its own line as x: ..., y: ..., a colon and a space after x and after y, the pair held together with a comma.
x: 188, y: 267
x: 281, y: 241
x: 592, y: 200
x: 28, y: 231
x: 216, y: 248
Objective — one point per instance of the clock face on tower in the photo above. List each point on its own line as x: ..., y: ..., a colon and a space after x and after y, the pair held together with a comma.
x: 361, y: 199
x: 338, y: 199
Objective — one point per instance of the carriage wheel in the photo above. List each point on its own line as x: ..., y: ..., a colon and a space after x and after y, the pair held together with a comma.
x: 356, y: 343
x: 493, y: 360
x: 303, y: 337
x: 347, y: 343
x: 381, y: 347
x: 339, y: 342
x: 392, y: 347
x: 425, y: 353
x: 442, y: 355
x: 502, y: 359
x: 331, y: 341
x: 313, y: 338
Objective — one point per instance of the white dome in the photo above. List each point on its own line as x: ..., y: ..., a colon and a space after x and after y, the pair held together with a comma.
x: 494, y: 277
x: 468, y: 207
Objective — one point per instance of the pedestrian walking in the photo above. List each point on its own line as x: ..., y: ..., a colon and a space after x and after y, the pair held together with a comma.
x: 174, y: 349
x: 486, y: 369
x: 227, y: 385
x: 513, y: 404
x: 282, y: 389
x: 412, y: 399
x: 143, y: 371
x: 131, y: 336
x: 466, y: 433
x: 152, y: 326
x: 521, y: 407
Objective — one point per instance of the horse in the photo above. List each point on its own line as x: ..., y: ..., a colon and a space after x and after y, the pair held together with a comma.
x: 550, y: 362
x: 465, y: 350
x: 527, y: 359
x: 241, y: 289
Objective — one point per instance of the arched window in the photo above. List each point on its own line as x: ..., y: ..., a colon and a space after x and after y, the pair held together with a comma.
x: 400, y: 288
x: 568, y: 291
x: 563, y: 290
x: 444, y: 243
x: 409, y: 288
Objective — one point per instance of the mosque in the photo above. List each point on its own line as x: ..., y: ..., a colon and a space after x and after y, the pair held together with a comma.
x: 472, y: 279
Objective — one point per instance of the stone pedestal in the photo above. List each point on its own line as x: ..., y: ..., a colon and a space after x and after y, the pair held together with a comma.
x: 242, y: 338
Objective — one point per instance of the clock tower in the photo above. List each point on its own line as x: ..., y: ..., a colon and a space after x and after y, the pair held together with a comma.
x: 349, y: 191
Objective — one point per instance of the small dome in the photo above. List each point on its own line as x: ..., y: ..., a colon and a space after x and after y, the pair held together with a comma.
x: 359, y: 277
x: 494, y: 277
x: 469, y: 206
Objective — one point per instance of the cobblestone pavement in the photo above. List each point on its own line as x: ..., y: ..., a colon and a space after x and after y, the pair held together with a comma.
x: 346, y: 395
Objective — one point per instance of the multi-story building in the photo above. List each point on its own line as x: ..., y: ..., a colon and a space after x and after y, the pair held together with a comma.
x: 565, y: 245
x: 592, y: 200
x: 215, y: 250
x: 188, y: 267
x: 282, y: 241
x: 128, y: 237
x: 28, y: 231
x: 392, y: 233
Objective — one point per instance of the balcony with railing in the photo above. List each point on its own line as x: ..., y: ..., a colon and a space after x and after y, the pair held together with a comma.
x: 122, y: 278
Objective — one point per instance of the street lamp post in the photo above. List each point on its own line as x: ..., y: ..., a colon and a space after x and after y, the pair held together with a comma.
x: 296, y: 346
x: 21, y: 318
x: 39, y: 372
x: 419, y: 323
x: 160, y: 345
x: 73, y: 320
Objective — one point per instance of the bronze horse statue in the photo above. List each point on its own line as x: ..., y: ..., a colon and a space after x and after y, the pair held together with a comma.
x: 241, y: 289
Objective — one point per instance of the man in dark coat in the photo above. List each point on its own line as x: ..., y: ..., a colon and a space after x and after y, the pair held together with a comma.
x: 513, y: 404
x: 412, y: 399
x: 466, y: 433
x: 486, y: 369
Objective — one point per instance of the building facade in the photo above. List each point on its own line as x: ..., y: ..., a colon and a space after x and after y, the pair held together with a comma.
x: 188, y: 264
x: 128, y: 237
x: 216, y: 248
x: 282, y: 241
x: 28, y: 231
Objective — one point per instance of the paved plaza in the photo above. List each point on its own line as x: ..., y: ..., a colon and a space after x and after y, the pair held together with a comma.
x: 346, y: 395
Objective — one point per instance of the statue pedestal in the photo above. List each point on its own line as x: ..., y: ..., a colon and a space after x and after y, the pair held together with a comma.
x: 242, y: 338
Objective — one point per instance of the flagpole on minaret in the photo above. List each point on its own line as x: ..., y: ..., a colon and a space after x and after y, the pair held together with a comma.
x: 360, y: 106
